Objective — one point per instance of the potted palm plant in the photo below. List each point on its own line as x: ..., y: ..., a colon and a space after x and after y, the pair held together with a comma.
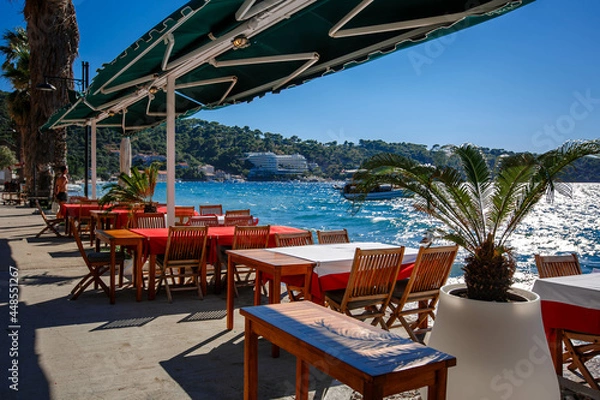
x: 133, y: 190
x: 479, y: 206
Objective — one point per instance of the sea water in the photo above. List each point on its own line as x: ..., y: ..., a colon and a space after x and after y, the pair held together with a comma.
x: 563, y: 226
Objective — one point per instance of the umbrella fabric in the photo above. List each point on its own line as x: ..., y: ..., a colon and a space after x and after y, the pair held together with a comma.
x: 284, y: 43
x: 125, y: 155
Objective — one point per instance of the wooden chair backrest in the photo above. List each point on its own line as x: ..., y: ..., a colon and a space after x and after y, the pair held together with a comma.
x: 237, y: 212
x: 41, y: 211
x: 552, y: 266
x: 210, y: 209
x: 293, y: 239
x: 238, y: 220
x: 184, y: 213
x: 148, y: 220
x: 77, y: 237
x: 373, y: 275
x: 251, y: 237
x: 186, y: 246
x: 203, y: 220
x: 430, y: 272
x: 331, y: 237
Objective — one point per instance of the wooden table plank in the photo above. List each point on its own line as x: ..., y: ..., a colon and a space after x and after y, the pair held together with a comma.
x: 374, y: 362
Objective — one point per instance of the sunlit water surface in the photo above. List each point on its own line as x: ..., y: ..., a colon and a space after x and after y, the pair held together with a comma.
x: 564, y: 226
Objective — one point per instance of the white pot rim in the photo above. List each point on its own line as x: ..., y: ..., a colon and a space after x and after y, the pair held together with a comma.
x: 528, y: 295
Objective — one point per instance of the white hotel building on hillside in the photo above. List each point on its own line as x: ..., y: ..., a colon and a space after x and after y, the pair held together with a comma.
x: 270, y: 165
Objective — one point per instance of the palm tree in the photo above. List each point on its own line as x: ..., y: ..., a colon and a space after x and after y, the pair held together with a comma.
x: 479, y: 206
x: 15, y: 68
x: 53, y: 41
x: 135, y: 189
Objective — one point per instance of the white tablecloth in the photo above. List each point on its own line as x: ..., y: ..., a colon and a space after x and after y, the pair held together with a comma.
x: 577, y: 290
x: 337, y: 258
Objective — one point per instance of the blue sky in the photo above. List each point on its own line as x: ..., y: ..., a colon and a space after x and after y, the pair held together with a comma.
x: 526, y: 81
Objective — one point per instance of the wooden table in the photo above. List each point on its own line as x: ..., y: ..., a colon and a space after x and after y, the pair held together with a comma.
x: 268, y: 262
x: 123, y: 237
x: 371, y: 361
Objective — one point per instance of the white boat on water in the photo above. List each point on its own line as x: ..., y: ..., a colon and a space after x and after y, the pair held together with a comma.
x: 74, y: 189
x: 381, y: 192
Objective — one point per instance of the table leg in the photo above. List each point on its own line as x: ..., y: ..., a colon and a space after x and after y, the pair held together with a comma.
x: 307, y: 279
x: 92, y: 230
x: 151, y: 276
x: 250, y: 362
x: 137, y: 265
x: 111, y: 289
x: 437, y: 391
x: 555, y: 341
x: 257, y: 288
x: 230, y: 293
x: 219, y: 263
x: 276, y: 289
x: 302, y: 375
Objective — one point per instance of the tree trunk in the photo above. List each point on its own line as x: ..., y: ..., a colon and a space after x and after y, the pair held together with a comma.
x: 53, y: 40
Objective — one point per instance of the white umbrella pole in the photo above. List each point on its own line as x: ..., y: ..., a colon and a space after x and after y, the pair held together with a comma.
x: 170, y: 150
x: 93, y: 150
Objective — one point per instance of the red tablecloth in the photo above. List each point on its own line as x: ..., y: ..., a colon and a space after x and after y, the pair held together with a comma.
x: 217, y: 236
x: 334, y: 263
x: 71, y: 210
x: 569, y: 303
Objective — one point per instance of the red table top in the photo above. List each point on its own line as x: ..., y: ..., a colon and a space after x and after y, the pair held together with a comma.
x: 217, y: 235
x: 570, y: 302
x: 72, y: 209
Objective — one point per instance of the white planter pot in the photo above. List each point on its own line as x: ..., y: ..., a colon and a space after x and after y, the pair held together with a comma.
x: 501, y: 348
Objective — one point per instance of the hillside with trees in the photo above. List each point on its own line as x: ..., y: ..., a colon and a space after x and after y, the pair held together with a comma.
x: 200, y: 142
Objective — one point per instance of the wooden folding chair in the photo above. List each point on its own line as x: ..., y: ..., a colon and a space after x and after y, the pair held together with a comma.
x: 98, y: 264
x: 237, y: 212
x: 430, y: 272
x: 248, y: 237
x: 580, y: 347
x: 238, y: 220
x: 210, y: 209
x: 51, y: 222
x: 295, y: 293
x: 553, y: 266
x: 370, y: 286
x: 332, y: 237
x: 184, y: 213
x: 84, y: 219
x: 148, y: 220
x: 204, y: 220
x: 185, y: 257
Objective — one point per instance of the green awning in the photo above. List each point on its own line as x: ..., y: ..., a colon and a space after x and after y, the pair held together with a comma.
x: 290, y: 42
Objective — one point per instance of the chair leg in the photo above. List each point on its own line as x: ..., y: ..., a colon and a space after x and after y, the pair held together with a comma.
x: 578, y: 360
x: 408, y: 329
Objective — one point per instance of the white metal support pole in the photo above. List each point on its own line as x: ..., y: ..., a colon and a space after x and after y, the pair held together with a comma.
x: 93, y: 150
x: 170, y: 150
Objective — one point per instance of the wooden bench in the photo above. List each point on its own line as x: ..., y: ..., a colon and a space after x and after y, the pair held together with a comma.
x: 372, y: 361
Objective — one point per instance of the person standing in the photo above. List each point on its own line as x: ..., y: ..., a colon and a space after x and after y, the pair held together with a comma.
x: 60, y: 187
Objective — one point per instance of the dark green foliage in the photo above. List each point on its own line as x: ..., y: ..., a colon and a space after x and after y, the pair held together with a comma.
x: 200, y: 142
